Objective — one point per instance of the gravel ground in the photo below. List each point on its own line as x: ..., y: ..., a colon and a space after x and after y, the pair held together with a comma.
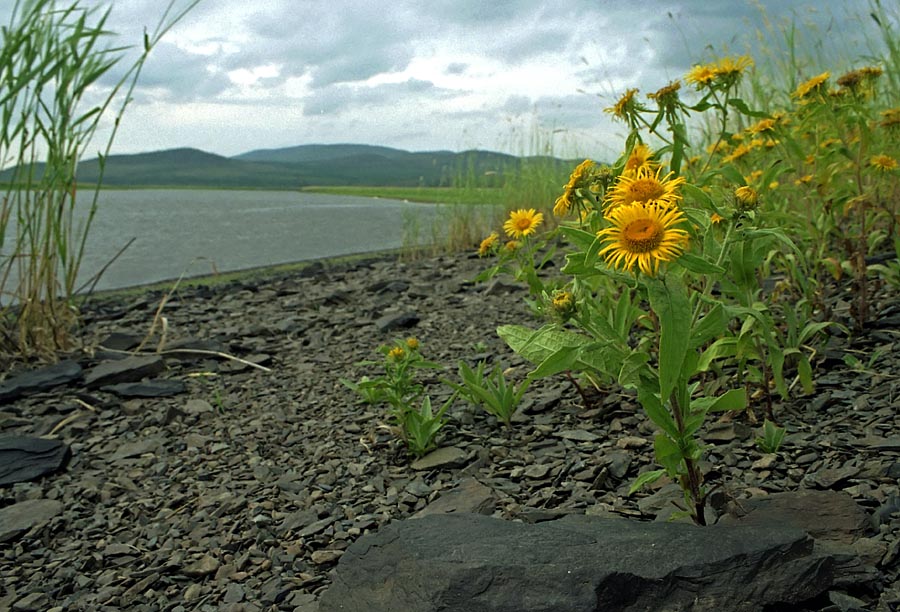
x: 241, y: 491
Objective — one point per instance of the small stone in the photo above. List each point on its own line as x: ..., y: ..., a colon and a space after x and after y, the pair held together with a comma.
x: 578, y: 435
x: 197, y: 406
x: 632, y: 442
x: 33, y: 602
x: 469, y: 496
x: 537, y: 471
x: 397, y: 321
x: 192, y: 593
x: 321, y: 557
x: 721, y: 432
x: 444, y: 457
x: 234, y: 593
x: 830, y: 478
x: 765, y: 462
x: 201, y: 567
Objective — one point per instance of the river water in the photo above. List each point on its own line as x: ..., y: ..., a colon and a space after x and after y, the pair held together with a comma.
x: 194, y: 232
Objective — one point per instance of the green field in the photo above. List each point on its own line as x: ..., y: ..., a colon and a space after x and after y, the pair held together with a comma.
x: 435, y: 195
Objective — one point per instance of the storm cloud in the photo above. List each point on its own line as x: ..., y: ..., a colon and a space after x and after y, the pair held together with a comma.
x: 447, y: 74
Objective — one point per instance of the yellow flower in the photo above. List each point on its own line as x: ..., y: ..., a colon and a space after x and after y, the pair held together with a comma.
x: 716, y: 218
x: 811, y: 86
x: 667, y: 97
x: 763, y: 125
x: 701, y: 75
x: 579, y: 179
x: 512, y: 246
x: 563, y: 203
x: 746, y: 197
x: 641, y: 157
x: 753, y: 176
x: 563, y: 303
x: 891, y: 118
x: 883, y: 163
x: 729, y: 68
x: 488, y: 244
x: 396, y: 353
x: 412, y: 343
x: 645, y: 187
x: 738, y: 152
x: 643, y: 235
x: 522, y: 222
x: 625, y: 106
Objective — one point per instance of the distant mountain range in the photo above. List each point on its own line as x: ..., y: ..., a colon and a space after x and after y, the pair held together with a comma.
x: 303, y: 166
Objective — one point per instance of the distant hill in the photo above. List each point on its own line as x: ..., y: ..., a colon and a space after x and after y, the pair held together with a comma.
x: 302, y: 166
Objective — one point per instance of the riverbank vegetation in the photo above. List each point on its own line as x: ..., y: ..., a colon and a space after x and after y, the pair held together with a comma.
x: 754, y: 213
x: 50, y: 57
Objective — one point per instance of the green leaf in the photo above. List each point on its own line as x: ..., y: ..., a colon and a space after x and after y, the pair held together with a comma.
x: 656, y: 411
x: 562, y: 360
x: 698, y: 195
x: 630, y: 372
x: 667, y: 453
x: 733, y: 399
x: 714, y: 323
x: 698, y: 265
x: 537, y: 345
x: 743, y: 108
x: 670, y: 302
x: 581, y: 239
x: 645, y: 479
x: 694, y: 422
x: 723, y: 347
x: 804, y: 371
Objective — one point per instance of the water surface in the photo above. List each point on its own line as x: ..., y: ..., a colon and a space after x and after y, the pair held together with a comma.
x: 198, y: 231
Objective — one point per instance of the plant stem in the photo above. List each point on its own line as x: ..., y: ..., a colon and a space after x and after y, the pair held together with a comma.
x: 692, y: 475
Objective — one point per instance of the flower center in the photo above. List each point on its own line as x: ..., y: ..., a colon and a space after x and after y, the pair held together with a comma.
x: 523, y: 223
x: 645, y: 189
x: 642, y: 235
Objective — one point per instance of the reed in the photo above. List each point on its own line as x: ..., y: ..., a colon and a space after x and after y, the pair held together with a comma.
x: 52, y: 57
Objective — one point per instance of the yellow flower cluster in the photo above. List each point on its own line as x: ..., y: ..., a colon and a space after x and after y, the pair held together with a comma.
x: 725, y: 72
x: 642, y: 208
x: 579, y: 179
x: 885, y: 163
x: 814, y: 85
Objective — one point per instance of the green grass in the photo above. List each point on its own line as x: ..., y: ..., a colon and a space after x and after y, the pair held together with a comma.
x: 435, y: 195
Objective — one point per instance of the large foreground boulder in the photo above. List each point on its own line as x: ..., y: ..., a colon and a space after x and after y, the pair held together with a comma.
x: 475, y: 563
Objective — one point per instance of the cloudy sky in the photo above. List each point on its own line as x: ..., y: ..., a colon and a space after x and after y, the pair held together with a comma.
x: 237, y: 75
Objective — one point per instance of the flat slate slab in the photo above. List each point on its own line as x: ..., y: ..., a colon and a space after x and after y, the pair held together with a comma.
x: 475, y: 563
x: 24, y: 458
x: 40, y: 379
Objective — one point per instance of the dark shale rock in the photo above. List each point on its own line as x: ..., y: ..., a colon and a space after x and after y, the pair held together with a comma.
x: 41, y: 379
x: 19, y: 518
x: 825, y: 515
x: 473, y: 563
x: 119, y: 341
x: 130, y: 369
x: 397, y: 321
x: 24, y: 458
x: 148, y: 388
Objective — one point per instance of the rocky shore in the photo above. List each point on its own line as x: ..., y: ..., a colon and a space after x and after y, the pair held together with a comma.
x: 198, y: 481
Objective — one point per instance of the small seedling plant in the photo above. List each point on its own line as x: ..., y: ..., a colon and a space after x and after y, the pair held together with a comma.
x: 492, y: 391
x: 410, y: 411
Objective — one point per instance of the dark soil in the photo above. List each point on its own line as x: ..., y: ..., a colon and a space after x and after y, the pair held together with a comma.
x: 240, y: 492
